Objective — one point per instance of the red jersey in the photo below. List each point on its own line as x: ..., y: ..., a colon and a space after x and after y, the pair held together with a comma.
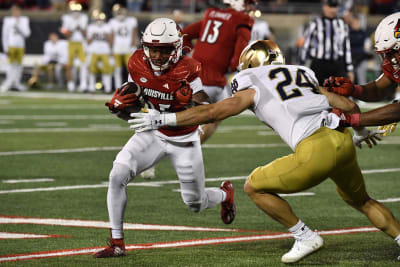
x: 390, y: 72
x: 221, y: 36
x: 159, y: 91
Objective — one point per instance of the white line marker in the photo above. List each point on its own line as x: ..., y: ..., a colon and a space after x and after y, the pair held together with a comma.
x: 51, y: 124
x: 57, y: 117
x: 389, y: 200
x: 38, y: 180
x: 6, y: 235
x: 104, y: 224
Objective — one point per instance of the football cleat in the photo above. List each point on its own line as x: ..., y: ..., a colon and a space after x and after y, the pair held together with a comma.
x: 302, y: 248
x: 115, y: 248
x: 228, y: 207
x: 149, y: 173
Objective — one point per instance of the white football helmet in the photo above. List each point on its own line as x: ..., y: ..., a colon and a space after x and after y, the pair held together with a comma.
x: 239, y: 5
x: 387, y: 34
x: 163, y: 32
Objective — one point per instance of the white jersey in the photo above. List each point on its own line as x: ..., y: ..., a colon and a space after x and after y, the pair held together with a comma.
x: 286, y: 99
x: 55, y: 52
x: 123, y: 35
x: 14, y: 32
x: 100, y: 44
x: 260, y: 30
x: 76, y: 23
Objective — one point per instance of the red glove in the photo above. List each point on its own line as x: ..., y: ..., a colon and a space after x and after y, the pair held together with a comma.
x: 184, y: 94
x: 347, y: 120
x: 120, y: 100
x: 339, y: 85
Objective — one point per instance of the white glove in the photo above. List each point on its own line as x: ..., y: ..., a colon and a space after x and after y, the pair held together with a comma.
x: 367, y: 136
x: 151, y: 120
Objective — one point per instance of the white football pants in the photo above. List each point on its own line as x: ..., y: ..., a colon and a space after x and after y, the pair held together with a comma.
x: 144, y: 150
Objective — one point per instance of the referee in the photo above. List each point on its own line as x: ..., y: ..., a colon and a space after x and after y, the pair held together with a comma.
x: 327, y: 44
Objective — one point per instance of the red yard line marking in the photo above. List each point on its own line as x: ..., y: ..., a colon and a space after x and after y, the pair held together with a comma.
x: 176, y: 244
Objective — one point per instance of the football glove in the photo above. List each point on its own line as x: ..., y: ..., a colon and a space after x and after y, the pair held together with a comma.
x: 184, y: 94
x: 151, y: 120
x: 339, y: 85
x: 388, y: 128
x: 347, y: 120
x: 119, y: 101
x: 364, y: 135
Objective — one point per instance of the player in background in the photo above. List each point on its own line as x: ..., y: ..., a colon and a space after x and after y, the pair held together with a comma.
x: 74, y: 25
x: 54, y: 62
x: 387, y: 45
x: 125, y: 40
x: 99, y: 39
x: 14, y: 32
x: 261, y: 29
x: 221, y: 36
x: 287, y: 99
x: 168, y: 81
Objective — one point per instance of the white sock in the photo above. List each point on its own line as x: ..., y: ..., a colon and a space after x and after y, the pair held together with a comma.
x: 215, y: 196
x: 106, y: 78
x: 301, y: 231
x: 117, y: 77
x: 92, y: 83
x: 397, y: 239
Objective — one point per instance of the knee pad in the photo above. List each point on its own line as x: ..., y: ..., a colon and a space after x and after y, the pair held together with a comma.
x: 120, y: 175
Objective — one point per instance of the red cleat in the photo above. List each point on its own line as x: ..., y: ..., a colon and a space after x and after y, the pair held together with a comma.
x: 228, y: 207
x: 115, y: 248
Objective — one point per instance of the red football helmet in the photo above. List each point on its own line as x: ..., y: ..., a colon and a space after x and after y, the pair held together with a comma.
x: 387, y: 44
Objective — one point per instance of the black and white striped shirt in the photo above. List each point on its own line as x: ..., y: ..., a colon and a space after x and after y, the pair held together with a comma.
x: 327, y: 39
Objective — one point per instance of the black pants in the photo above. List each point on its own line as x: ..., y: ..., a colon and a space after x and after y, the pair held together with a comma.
x: 325, y: 68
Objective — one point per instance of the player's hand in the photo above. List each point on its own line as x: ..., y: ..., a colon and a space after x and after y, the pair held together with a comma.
x: 369, y: 137
x: 184, y: 94
x: 388, y: 128
x: 119, y: 101
x: 339, y: 85
x: 347, y: 120
x: 152, y: 120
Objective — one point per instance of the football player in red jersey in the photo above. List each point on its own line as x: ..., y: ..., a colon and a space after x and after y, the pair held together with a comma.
x: 168, y: 81
x: 387, y: 44
x: 221, y: 36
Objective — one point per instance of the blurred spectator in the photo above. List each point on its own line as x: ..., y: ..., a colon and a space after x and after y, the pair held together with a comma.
x: 382, y: 6
x: 54, y: 62
x: 359, y: 42
x: 178, y: 18
x: 327, y: 44
x: 261, y: 29
x: 14, y: 32
x: 134, y: 5
x: 58, y: 5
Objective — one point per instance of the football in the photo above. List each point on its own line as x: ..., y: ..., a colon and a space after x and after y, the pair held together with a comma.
x: 133, y: 88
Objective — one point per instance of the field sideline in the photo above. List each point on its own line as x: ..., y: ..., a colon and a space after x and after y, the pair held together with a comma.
x: 56, y: 151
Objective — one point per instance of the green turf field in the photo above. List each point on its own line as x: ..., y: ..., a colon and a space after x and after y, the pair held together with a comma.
x: 71, y: 143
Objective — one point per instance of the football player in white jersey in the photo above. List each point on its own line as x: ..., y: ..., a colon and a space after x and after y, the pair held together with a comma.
x: 287, y: 99
x: 74, y: 26
x: 125, y: 40
x: 99, y: 39
x: 54, y: 61
x: 14, y: 32
x: 260, y: 29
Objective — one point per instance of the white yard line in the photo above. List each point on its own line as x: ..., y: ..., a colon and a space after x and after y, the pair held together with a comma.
x: 57, y: 117
x: 6, y: 235
x: 37, y: 180
x: 149, y: 184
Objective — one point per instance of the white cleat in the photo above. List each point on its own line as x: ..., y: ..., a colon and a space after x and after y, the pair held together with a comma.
x: 149, y: 173
x: 303, y: 248
x: 71, y: 86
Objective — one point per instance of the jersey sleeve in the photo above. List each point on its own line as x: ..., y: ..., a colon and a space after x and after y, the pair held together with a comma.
x: 242, y: 39
x: 191, y: 32
x: 243, y: 81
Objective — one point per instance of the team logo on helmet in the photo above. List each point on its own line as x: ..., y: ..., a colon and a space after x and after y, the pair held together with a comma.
x: 397, y: 30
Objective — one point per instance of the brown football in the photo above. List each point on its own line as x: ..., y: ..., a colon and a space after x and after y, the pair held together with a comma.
x: 133, y: 88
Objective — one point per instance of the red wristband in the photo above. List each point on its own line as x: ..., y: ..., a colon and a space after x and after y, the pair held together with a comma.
x: 357, y: 92
x: 355, y: 119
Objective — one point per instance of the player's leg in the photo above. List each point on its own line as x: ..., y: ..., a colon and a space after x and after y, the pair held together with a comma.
x: 117, y: 70
x: 106, y: 71
x: 83, y: 69
x: 187, y: 160
x: 351, y: 188
x: 5, y: 86
x: 70, y: 67
x: 93, y: 69
x: 295, y: 173
x: 141, y: 151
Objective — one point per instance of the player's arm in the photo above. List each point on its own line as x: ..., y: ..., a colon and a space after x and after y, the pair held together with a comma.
x: 340, y: 102
x: 190, y: 33
x: 135, y: 41
x: 381, y: 116
x: 243, y: 34
x: 194, y: 116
